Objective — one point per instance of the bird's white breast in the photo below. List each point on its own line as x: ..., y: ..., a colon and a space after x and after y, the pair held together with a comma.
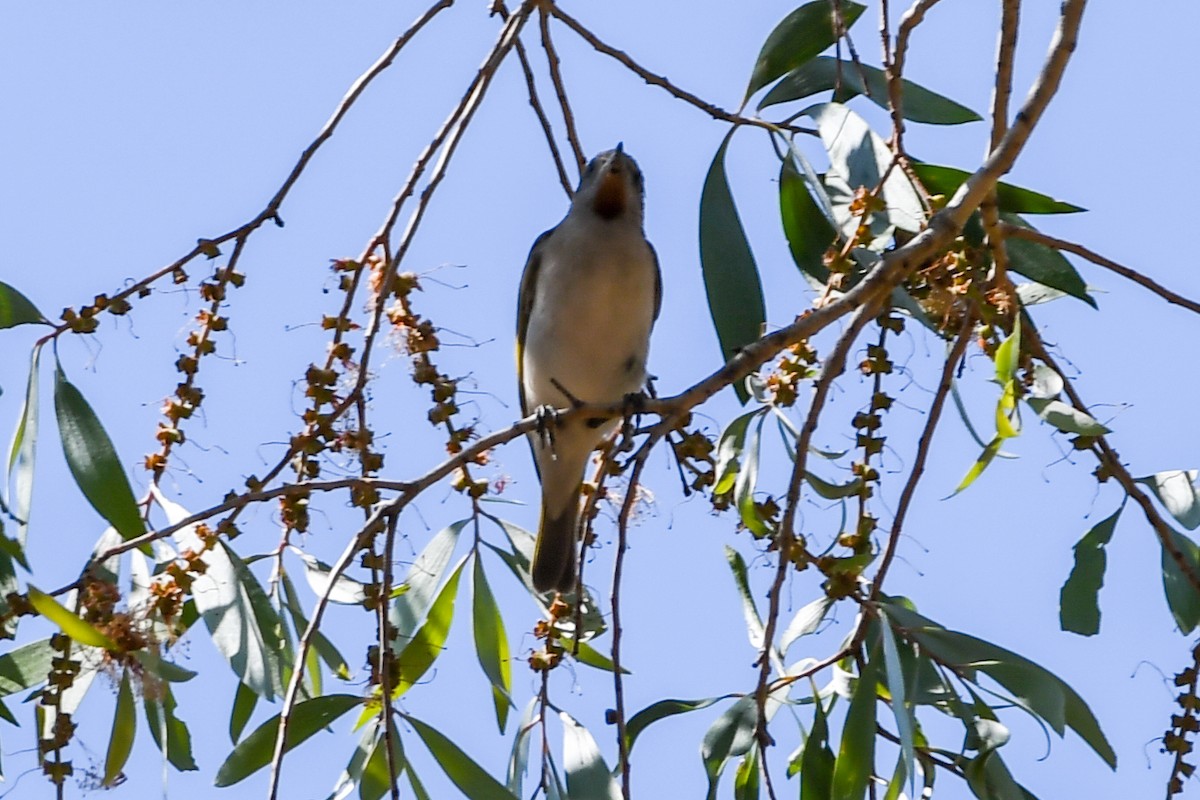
x: 593, y: 309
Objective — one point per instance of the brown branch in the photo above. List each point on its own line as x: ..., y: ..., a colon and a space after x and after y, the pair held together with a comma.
x: 649, y: 77
x: 1125, y: 272
x: 536, y: 103
x: 1111, y: 461
x: 908, y: 22
x: 785, y: 536
x: 271, y: 211
x: 931, y: 423
x: 989, y: 211
x: 554, y: 63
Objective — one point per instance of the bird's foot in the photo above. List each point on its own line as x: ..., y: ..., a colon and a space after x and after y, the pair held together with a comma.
x: 546, y: 420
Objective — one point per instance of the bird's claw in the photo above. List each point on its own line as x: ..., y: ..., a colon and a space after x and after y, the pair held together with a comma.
x: 546, y: 420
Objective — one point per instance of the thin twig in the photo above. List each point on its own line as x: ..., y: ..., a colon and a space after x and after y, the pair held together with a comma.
x: 271, y: 211
x: 536, y: 103
x: 1079, y: 250
x: 658, y: 80
x: 989, y: 211
x: 1111, y: 461
x: 923, y: 445
x: 555, y: 64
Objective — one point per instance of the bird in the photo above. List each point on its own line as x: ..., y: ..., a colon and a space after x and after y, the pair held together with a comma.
x: 590, y: 294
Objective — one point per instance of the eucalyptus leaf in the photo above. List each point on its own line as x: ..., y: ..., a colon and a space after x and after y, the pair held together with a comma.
x: 17, y: 309
x: 1177, y: 490
x: 120, y: 739
x: 491, y: 642
x: 826, y: 73
x: 93, y: 460
x: 798, y: 37
x: 423, y: 579
x: 1009, y: 198
x: 470, y: 778
x: 731, y: 280
x: 1079, y: 609
x: 1181, y: 592
x: 806, y: 621
x: 80, y: 630
x: 419, y: 653
x: 309, y: 716
x: 808, y: 231
x: 856, y: 754
x: 345, y: 591
x: 1043, y: 264
x: 161, y: 719
x: 817, y: 761
x: 25, y: 667
x: 732, y: 735
x: 661, y: 710
x: 588, y: 777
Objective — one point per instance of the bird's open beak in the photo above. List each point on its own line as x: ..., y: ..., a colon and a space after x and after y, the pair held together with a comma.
x: 610, y: 193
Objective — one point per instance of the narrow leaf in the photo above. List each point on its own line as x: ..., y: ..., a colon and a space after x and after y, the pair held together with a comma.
x: 22, y: 452
x: 418, y: 655
x: 423, y: 579
x: 93, y: 459
x: 745, y: 780
x: 120, y: 741
x: 747, y: 483
x: 729, y: 451
x: 806, y: 621
x: 470, y: 778
x: 25, y: 667
x: 981, y: 463
x: 255, y: 751
x: 661, y: 710
x: 897, y: 687
x: 730, y: 736
x: 1010, y: 199
x: 735, y: 295
x: 809, y: 233
x: 491, y: 643
x: 79, y: 630
x: 1065, y: 417
x: 754, y: 625
x: 822, y: 74
x: 1079, y: 609
x: 161, y: 719
x: 1177, y: 491
x: 377, y: 775
x: 1043, y: 264
x: 588, y: 777
x: 244, y: 701
x: 1182, y: 596
x: 345, y: 591
x: 817, y: 761
x: 16, y: 308
x: 856, y: 755
x: 798, y: 37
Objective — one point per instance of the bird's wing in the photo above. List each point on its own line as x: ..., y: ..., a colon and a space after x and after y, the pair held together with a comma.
x: 657, y: 280
x: 525, y: 308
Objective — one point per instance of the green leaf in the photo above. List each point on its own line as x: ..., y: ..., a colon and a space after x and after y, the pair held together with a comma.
x: 518, y: 759
x: 1065, y: 417
x: 120, y: 741
x: 754, y: 624
x: 423, y: 579
x: 833, y: 491
x: 735, y: 295
x: 1010, y: 199
x: 255, y: 751
x: 806, y: 621
x: 79, y: 630
x: 469, y: 777
x: 1182, y: 596
x: 730, y: 736
x: 1079, y: 610
x: 25, y: 667
x: 21, y: 457
x: 898, y: 689
x: 325, y: 648
x: 860, y: 158
x: 856, y: 755
x: 798, y: 37
x: 16, y: 309
x: 161, y: 719
x: 491, y: 643
x: 661, y: 710
x: 418, y: 655
x: 157, y: 667
x: 244, y: 701
x: 377, y: 776
x: 729, y: 451
x: 745, y: 780
x: 1177, y: 490
x: 590, y: 656
x: 1034, y: 687
x: 1043, y: 264
x: 588, y: 777
x: 809, y: 233
x: 817, y: 761
x: 981, y: 463
x: 351, y: 776
x: 822, y: 74
x: 93, y: 459
x: 747, y: 483
x: 345, y: 591
x: 265, y: 623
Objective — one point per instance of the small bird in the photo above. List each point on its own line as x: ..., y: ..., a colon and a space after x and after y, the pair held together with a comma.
x: 589, y: 297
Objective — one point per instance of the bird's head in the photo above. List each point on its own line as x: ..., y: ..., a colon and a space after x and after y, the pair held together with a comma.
x: 612, y: 187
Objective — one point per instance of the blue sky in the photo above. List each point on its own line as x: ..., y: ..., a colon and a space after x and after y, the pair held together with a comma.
x: 133, y: 129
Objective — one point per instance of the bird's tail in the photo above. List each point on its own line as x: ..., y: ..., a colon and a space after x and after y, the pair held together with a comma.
x: 554, y: 555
